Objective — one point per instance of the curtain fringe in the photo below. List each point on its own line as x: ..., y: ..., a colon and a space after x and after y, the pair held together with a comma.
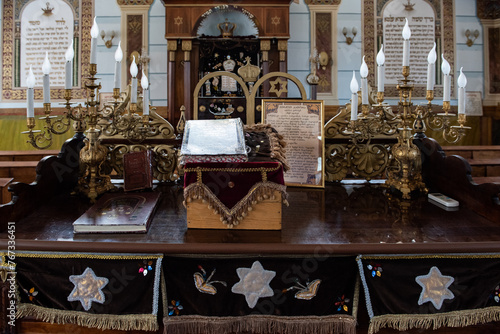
x: 260, y: 324
x: 403, y: 322
x: 276, y: 141
x: 145, y: 322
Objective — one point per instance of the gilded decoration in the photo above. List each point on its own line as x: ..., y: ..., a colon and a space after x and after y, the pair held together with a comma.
x: 488, y: 9
x: 275, y: 20
x: 323, y: 2
x: 372, y: 29
x: 135, y: 24
x: 178, y: 20
x: 134, y: 2
x: 11, y: 35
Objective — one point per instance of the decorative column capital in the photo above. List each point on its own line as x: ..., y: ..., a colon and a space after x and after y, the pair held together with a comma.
x: 265, y: 44
x: 134, y: 2
x: 187, y: 46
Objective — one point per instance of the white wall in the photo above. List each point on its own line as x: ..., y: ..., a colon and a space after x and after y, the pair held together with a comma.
x: 348, y: 56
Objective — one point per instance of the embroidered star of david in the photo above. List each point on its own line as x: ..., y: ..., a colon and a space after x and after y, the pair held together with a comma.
x: 254, y: 283
x: 435, y: 288
x: 88, y: 288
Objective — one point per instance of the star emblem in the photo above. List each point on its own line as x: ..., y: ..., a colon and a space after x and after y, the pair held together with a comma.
x: 275, y: 20
x: 434, y: 288
x: 87, y: 288
x: 278, y: 87
x: 254, y: 283
x: 178, y: 20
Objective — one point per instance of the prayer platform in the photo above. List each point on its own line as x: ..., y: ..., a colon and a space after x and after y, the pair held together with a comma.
x: 357, y: 233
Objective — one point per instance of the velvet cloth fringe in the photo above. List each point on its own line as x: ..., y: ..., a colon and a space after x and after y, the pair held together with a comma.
x: 404, y: 322
x: 277, y: 142
x: 264, y: 324
x: 142, y: 322
x: 232, y: 217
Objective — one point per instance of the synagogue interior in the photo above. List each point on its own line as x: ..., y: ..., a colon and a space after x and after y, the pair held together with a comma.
x: 250, y: 166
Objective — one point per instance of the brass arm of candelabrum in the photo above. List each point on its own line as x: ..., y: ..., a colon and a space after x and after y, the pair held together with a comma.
x: 425, y: 118
x: 58, y: 125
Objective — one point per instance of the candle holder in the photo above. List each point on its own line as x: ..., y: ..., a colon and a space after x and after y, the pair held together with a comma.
x: 378, y: 143
x: 119, y: 120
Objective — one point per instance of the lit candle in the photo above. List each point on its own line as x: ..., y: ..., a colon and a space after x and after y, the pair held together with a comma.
x: 363, y: 71
x: 354, y: 97
x: 70, y: 53
x: 145, y: 94
x: 461, y: 82
x: 30, y: 98
x: 133, y: 73
x: 431, y: 61
x: 380, y: 69
x: 118, y: 59
x: 445, y: 67
x: 94, y: 33
x: 406, y: 44
x: 46, y: 80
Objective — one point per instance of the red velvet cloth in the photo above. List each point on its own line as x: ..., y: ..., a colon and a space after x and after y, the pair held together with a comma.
x: 231, y: 186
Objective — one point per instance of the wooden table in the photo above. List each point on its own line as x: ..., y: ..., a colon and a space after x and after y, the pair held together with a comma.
x: 342, y: 219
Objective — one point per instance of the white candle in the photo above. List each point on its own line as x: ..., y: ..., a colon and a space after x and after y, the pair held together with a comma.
x: 406, y: 44
x: 94, y: 33
x: 70, y: 53
x: 118, y: 61
x: 380, y: 69
x: 30, y: 94
x: 445, y: 68
x: 133, y: 73
x: 145, y: 94
x: 461, y: 82
x: 46, y: 80
x: 363, y: 71
x: 354, y: 97
x: 431, y: 61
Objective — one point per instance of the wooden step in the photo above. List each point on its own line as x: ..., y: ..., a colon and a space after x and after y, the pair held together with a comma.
x: 21, y: 171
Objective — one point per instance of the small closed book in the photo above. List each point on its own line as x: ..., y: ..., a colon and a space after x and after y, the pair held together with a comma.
x: 138, y: 170
x: 219, y: 140
x: 119, y: 213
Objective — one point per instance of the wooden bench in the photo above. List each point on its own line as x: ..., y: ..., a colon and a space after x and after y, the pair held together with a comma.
x: 5, y: 196
x: 21, y: 171
x: 36, y: 155
x: 474, y: 152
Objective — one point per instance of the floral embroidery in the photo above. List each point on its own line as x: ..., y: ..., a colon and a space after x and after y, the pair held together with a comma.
x: 205, y: 284
x: 496, y: 294
x: 342, y: 304
x: 376, y: 269
x: 307, y: 291
x: 31, y: 293
x: 145, y: 267
x: 175, y: 307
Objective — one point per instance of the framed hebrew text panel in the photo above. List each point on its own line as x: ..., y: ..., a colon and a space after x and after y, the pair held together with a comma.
x: 300, y: 122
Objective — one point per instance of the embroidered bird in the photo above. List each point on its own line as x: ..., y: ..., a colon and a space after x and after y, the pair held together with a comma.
x: 204, y: 284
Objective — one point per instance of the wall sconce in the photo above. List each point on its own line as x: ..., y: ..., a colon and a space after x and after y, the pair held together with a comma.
x: 109, y: 42
x: 468, y: 34
x: 349, y: 39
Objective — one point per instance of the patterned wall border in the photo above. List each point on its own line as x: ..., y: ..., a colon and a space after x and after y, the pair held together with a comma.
x: 445, y: 25
x: 9, y: 92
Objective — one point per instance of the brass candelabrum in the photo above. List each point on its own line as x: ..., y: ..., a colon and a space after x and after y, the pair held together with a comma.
x: 116, y: 118
x: 402, y: 161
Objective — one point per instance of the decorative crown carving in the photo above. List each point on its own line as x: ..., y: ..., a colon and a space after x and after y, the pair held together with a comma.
x: 226, y: 28
x: 249, y: 72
